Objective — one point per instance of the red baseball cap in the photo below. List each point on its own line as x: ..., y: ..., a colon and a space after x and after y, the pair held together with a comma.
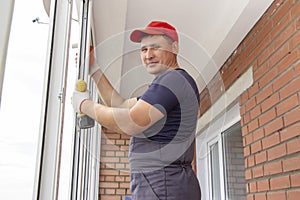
x: 155, y: 28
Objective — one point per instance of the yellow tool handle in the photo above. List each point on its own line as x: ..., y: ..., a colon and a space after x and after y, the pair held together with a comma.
x: 81, y: 85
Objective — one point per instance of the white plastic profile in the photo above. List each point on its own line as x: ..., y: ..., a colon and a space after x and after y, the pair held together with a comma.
x: 51, y: 125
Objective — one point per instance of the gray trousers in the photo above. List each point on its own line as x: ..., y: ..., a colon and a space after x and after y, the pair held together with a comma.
x: 168, y: 183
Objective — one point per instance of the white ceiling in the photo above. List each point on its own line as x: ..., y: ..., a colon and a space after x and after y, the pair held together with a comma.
x: 209, y: 31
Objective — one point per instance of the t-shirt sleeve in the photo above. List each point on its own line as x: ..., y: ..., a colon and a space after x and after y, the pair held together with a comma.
x: 160, y: 97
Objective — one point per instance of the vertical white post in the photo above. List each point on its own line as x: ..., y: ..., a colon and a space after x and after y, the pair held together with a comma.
x: 6, y: 12
x: 86, y: 142
x: 51, y: 126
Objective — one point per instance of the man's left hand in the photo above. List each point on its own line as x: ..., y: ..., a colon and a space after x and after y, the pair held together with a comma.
x: 78, y: 98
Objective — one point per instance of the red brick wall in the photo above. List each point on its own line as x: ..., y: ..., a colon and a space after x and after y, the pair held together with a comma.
x: 114, y: 167
x: 270, y: 108
x: 270, y: 111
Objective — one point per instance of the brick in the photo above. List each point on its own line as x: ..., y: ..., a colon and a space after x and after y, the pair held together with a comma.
x: 121, y: 191
x: 295, y: 40
x: 273, y: 168
x: 253, y: 89
x: 244, y: 130
x: 293, y: 146
x: 119, y: 178
x: 264, y: 50
x: 261, y: 157
x: 292, y: 117
x: 110, y: 191
x: 109, y: 178
x: 256, y: 147
x: 253, y: 125
x: 278, y: 56
x: 110, y: 197
x: 261, y: 196
x: 267, y: 117
x: 120, y: 142
x: 248, y: 174
x: 109, y: 172
x: 291, y: 164
x: 268, y: 77
x: 250, y: 197
x: 109, y: 153
x: 246, y: 151
x: 120, y: 166
x: 264, y: 31
x: 261, y: 70
x: 255, y: 112
x: 274, y: 126
x: 297, y: 67
x: 111, y: 135
x: 284, y: 79
x: 124, y: 185
x: 287, y: 61
x: 263, y: 185
x: 246, y: 118
x: 285, y: 36
x: 248, y: 139
x: 295, y: 10
x: 109, y: 159
x: 276, y: 152
x: 109, y: 147
x: 120, y: 153
x: 295, y: 180
x: 109, y: 185
x: 281, y: 182
x: 251, y: 161
x: 125, y: 137
x: 264, y: 94
x: 253, y: 187
x: 242, y: 110
x: 287, y: 105
x: 258, y: 134
x: 271, y: 140
x: 124, y: 160
x: 290, y: 89
x: 270, y: 102
x: 101, y: 191
x: 250, y: 104
x: 293, y: 194
x: 124, y: 148
x: 280, y: 25
x: 290, y: 132
x: 283, y: 11
x: 258, y: 172
x: 281, y: 195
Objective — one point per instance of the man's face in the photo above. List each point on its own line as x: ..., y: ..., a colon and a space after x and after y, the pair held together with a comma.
x: 157, y: 54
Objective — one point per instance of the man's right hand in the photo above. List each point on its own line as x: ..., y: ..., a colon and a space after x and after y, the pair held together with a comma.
x: 93, y: 65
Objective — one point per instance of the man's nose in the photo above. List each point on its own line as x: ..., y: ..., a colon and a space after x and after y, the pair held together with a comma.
x: 149, y: 53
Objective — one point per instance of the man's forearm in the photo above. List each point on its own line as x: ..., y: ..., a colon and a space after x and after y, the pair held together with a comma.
x: 116, y: 119
x: 106, y: 91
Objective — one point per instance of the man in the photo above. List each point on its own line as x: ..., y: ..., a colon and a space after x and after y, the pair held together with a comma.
x: 161, y: 122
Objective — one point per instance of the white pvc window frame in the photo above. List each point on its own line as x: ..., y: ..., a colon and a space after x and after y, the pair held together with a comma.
x: 216, y: 141
x: 221, y: 116
x: 204, y: 141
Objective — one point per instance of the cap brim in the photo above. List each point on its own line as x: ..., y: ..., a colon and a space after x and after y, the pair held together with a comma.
x: 137, y: 34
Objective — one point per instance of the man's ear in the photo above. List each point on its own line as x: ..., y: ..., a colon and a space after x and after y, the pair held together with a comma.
x: 175, y: 48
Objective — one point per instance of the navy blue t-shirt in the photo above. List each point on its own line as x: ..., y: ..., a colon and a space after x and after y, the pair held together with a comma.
x: 176, y: 95
x: 160, y: 157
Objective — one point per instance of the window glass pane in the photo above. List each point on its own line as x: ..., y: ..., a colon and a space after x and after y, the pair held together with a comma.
x: 234, y: 170
x: 22, y: 98
x: 215, y: 171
